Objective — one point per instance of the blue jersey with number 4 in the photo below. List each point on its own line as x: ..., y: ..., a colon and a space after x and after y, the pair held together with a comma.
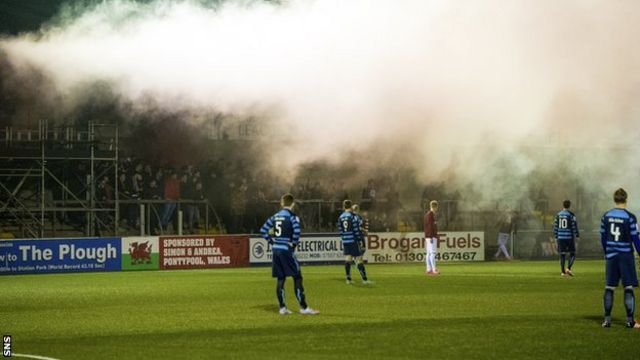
x: 618, y: 230
x: 286, y: 230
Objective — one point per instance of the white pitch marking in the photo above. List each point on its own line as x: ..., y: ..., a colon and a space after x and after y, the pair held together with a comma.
x: 33, y: 356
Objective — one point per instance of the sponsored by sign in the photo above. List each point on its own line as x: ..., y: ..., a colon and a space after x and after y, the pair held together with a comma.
x: 313, y: 248
x: 409, y: 247
x: 59, y: 255
x: 199, y: 252
x: 140, y: 253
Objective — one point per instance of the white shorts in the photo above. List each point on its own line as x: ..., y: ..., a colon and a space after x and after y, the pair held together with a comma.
x: 431, y: 245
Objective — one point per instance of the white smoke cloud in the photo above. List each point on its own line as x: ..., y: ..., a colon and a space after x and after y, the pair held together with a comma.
x: 544, y: 83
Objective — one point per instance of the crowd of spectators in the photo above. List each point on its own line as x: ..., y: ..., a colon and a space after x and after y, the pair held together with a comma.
x: 238, y: 197
x: 239, y: 200
x: 168, y: 188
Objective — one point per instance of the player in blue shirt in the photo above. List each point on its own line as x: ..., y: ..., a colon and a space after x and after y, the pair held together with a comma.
x: 618, y: 230
x: 364, y: 229
x: 282, y: 231
x: 565, y: 229
x: 349, y: 227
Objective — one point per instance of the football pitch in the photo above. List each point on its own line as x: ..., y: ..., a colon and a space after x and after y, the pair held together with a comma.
x: 492, y: 310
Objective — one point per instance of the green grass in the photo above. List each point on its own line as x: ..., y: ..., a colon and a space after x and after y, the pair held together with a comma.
x: 517, y: 310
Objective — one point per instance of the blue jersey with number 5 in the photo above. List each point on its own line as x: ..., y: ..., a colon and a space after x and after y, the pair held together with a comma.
x: 618, y: 230
x: 285, y: 226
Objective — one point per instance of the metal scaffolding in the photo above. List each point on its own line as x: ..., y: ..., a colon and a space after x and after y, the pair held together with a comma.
x: 48, y: 180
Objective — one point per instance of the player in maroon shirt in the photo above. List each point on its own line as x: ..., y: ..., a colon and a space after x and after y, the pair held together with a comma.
x: 431, y: 237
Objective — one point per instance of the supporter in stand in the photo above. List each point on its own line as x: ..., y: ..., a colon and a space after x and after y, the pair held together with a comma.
x: 153, y: 192
x: 105, y: 196
x: 124, y: 191
x: 187, y: 193
x: 137, y: 182
x: 369, y: 196
x: 239, y: 205
x: 198, y: 195
x: 171, y: 195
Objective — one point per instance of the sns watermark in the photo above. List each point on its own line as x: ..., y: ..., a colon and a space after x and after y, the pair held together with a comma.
x: 6, y: 345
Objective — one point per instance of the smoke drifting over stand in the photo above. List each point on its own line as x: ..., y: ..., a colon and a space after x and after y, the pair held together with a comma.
x: 496, y: 98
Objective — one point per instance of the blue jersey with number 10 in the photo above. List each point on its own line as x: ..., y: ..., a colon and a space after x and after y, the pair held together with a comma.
x: 565, y: 226
x: 286, y: 230
x: 618, y: 230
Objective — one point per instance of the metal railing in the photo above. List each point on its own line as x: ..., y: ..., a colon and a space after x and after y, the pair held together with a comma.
x: 144, y: 217
x: 72, y: 216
